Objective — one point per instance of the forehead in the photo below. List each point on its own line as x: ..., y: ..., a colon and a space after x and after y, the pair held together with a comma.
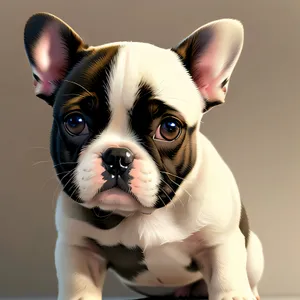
x: 162, y: 70
x: 116, y: 71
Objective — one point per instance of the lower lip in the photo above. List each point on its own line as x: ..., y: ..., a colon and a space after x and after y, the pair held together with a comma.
x: 117, y: 198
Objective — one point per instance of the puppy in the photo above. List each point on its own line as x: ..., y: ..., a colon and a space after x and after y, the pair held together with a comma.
x: 145, y: 194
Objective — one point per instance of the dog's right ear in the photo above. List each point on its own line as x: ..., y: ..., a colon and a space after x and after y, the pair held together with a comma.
x: 210, y: 55
x: 52, y: 48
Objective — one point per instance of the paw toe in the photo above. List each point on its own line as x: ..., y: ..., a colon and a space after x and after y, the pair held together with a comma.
x: 236, y: 296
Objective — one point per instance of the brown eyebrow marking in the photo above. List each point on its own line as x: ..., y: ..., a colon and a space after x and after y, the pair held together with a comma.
x: 76, y: 100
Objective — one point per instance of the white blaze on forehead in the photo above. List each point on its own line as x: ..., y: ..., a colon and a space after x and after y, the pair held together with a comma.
x: 123, y: 85
x: 163, y: 71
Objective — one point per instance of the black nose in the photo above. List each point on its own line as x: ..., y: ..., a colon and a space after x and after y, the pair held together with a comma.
x: 117, y: 160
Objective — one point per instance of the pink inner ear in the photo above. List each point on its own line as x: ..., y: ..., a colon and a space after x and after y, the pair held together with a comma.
x: 51, y: 59
x: 207, y: 74
x: 208, y: 85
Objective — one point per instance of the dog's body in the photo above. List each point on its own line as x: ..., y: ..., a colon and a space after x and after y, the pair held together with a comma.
x: 145, y: 193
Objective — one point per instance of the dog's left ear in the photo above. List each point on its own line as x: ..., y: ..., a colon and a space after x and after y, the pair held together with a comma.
x: 53, y: 48
x: 210, y: 54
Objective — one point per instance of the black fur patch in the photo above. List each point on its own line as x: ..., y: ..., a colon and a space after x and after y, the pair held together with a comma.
x: 87, y: 84
x: 96, y: 217
x: 174, y: 159
x: 193, y: 267
x: 127, y: 262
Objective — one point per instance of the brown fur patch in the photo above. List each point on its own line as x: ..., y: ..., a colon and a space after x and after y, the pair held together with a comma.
x: 175, y: 159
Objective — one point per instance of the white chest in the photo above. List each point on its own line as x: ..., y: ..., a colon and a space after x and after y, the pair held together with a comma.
x: 168, y: 265
x: 144, y: 251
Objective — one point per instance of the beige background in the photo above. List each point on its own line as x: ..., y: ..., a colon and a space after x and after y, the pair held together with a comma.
x: 257, y: 131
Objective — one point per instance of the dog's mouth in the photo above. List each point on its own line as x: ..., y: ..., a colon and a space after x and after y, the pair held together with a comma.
x: 115, y: 195
x: 118, y: 199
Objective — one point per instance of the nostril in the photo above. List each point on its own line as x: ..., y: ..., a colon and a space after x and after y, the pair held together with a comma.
x: 126, y: 159
x: 108, y: 156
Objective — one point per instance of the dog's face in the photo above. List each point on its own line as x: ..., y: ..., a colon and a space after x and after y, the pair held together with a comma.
x: 126, y: 116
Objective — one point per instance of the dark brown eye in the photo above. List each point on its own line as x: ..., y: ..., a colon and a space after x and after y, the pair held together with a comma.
x: 168, y: 130
x: 75, y: 123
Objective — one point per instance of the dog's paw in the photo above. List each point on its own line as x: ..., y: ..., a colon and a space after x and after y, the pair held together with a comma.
x: 255, y: 293
x: 234, y: 295
x: 90, y: 297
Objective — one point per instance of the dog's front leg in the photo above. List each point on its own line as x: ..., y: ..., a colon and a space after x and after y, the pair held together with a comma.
x: 80, y: 273
x: 226, y: 272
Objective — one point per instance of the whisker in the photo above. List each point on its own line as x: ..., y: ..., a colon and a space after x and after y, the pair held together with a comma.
x: 60, y: 183
x: 75, y: 83
x: 167, y: 173
x: 161, y: 200
x: 190, y: 196
x: 50, y: 161
x: 41, y: 162
x: 172, y: 189
x: 70, y: 179
x: 65, y: 163
x: 181, y: 187
x: 177, y: 185
x: 52, y: 177
x: 166, y: 195
x: 75, y: 190
x: 168, y: 185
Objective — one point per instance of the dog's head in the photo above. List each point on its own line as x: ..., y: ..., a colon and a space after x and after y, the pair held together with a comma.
x: 126, y: 115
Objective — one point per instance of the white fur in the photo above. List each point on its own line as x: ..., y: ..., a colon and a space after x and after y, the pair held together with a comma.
x: 166, y: 235
x: 202, y: 220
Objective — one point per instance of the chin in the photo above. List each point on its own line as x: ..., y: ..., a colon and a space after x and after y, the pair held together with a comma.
x: 117, y: 200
